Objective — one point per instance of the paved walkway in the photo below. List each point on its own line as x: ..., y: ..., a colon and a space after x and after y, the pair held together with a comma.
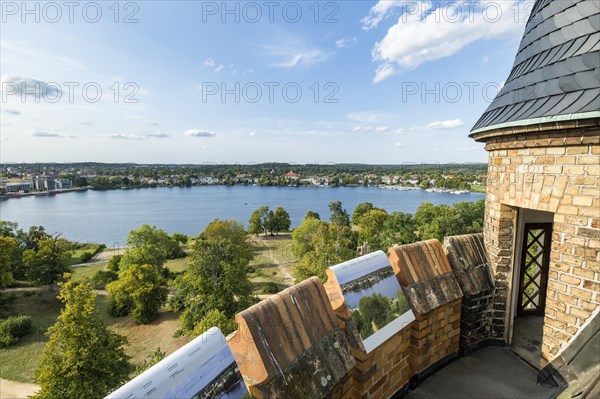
x: 489, y: 373
x: 16, y: 390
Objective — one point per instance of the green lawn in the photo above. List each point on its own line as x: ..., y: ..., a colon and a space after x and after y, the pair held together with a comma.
x: 19, y: 360
x: 174, y: 265
x: 89, y: 271
x: 273, y: 262
x: 478, y: 189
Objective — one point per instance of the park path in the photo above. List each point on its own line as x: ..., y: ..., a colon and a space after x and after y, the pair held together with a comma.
x: 16, y: 390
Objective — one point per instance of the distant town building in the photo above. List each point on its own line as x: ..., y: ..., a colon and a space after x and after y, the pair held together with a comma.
x: 43, y: 183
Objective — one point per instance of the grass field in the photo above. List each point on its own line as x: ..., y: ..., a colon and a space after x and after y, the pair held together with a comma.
x: 174, y: 265
x: 478, y: 189
x: 273, y: 262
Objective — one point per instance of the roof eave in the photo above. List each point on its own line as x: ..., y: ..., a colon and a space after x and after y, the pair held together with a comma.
x: 482, y: 133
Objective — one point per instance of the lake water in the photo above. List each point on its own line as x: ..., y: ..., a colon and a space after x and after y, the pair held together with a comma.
x: 107, y: 216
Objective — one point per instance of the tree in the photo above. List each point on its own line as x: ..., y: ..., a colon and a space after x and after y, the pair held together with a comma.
x: 49, y: 261
x: 147, y: 245
x: 8, y: 246
x: 302, y: 236
x: 139, y: 291
x: 258, y: 221
x: 34, y: 235
x: 114, y: 263
x: 282, y: 220
x: 360, y: 210
x: 215, y: 318
x: 439, y: 221
x: 338, y: 214
x: 216, y: 278
x: 15, y: 264
x: 375, y: 308
x: 270, y: 223
x: 83, y: 358
x: 399, y: 229
x: 311, y: 214
x: 80, y: 182
x: 233, y: 232
x: 319, y: 245
x: 180, y: 238
x: 372, y: 228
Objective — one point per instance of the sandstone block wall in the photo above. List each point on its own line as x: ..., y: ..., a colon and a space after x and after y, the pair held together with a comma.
x: 556, y: 171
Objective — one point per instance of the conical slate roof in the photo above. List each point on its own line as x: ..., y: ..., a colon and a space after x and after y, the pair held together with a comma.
x: 556, y: 74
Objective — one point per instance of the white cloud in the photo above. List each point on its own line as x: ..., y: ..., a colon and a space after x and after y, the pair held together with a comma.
x: 345, y: 42
x: 252, y: 134
x: 376, y: 129
x: 121, y: 136
x: 199, y: 133
x: 208, y: 63
x: 383, y: 72
x: 368, y: 116
x: 52, y: 135
x: 433, y: 126
x: 144, y: 120
x: 159, y: 135
x: 20, y: 85
x: 438, y: 30
x: 379, y: 12
x: 296, y: 55
x: 398, y: 144
x: 449, y: 124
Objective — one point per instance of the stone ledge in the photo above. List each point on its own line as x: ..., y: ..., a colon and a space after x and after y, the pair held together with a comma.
x: 292, y: 335
x: 469, y: 263
x: 425, y: 274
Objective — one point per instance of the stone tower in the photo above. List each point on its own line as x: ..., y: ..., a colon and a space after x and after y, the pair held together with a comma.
x: 542, y: 224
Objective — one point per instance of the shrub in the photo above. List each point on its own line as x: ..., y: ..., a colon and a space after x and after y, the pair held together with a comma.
x: 13, y: 328
x: 215, y: 318
x: 270, y: 288
x: 103, y: 277
x: 113, y: 263
x: 116, y: 310
x: 99, y: 249
x: 86, y: 257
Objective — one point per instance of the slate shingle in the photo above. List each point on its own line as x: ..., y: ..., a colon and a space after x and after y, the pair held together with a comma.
x: 557, y: 68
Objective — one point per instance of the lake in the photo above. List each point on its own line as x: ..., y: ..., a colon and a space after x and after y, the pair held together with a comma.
x: 107, y: 216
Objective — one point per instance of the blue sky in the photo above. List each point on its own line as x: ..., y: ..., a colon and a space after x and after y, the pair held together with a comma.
x: 306, y: 82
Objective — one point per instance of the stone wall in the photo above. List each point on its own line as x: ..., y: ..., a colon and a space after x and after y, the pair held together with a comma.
x: 303, y: 343
x: 290, y: 346
x: 470, y: 265
x: 553, y: 168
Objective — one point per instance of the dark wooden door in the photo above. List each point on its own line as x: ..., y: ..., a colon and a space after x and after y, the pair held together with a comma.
x: 535, y: 260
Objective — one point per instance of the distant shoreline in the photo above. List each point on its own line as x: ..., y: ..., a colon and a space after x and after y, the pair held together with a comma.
x: 4, y: 197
